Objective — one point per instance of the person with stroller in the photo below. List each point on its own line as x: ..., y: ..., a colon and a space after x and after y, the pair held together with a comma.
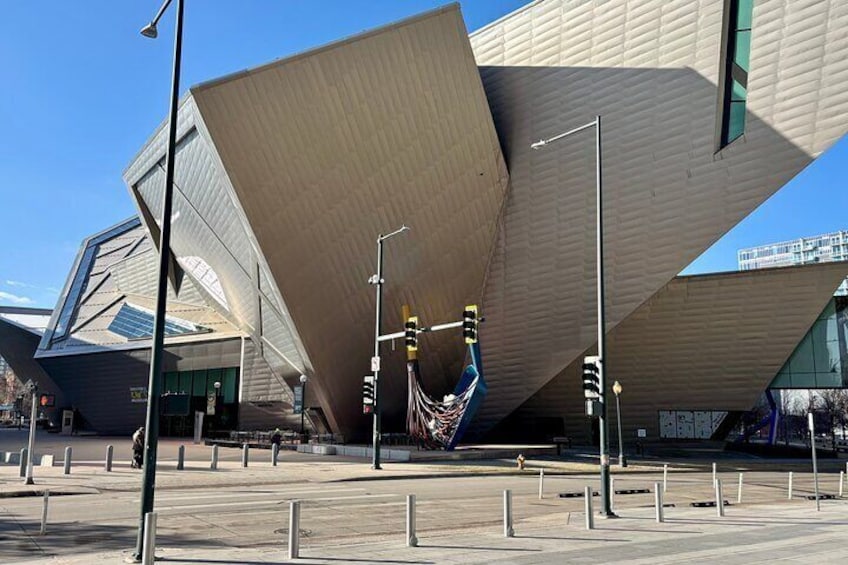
x: 138, y: 448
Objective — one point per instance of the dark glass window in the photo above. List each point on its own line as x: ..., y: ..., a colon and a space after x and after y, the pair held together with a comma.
x: 736, y: 67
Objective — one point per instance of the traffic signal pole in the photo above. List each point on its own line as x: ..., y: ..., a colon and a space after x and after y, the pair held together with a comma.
x: 606, y: 504
x: 375, y: 361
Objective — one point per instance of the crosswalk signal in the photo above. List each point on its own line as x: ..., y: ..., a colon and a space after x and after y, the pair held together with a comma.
x: 368, y: 394
x: 470, y: 324
x: 411, y: 333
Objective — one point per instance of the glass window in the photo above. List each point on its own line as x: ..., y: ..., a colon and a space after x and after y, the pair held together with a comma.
x: 133, y: 322
x: 230, y: 385
x: 736, y: 121
x: 185, y: 382
x: 742, y: 55
x: 199, y: 383
x: 735, y: 72
x: 172, y: 382
x: 213, y: 376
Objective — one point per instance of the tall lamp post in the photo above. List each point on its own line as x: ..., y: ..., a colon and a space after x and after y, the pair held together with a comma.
x: 303, y: 380
x: 151, y: 436
x: 616, y: 389
x: 375, y: 361
x: 606, y: 504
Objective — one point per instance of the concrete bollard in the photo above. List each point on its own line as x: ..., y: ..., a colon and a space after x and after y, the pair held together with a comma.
x: 23, y: 460
x: 590, y: 518
x: 612, y: 494
x: 68, y: 452
x: 214, y: 464
x: 245, y: 453
x: 739, y: 490
x: 274, y: 451
x: 715, y: 470
x: 109, y: 453
x: 665, y: 478
x: 719, y: 499
x: 790, y: 485
x: 541, y: 484
x: 507, y: 510
x: 43, y: 529
x: 411, y: 539
x: 181, y: 458
x: 148, y: 547
x: 294, y: 529
x: 658, y: 502
x: 841, y: 482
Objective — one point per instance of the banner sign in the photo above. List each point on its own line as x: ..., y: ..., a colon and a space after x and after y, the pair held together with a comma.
x: 138, y: 394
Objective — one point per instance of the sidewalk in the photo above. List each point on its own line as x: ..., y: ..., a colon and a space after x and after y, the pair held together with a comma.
x: 756, y: 534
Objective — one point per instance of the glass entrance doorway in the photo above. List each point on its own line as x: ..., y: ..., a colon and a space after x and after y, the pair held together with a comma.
x: 211, y: 391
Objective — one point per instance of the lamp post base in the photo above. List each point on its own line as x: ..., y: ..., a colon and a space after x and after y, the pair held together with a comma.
x: 622, y: 461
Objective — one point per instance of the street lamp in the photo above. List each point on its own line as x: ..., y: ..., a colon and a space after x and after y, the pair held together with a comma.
x: 303, y: 380
x: 151, y: 437
x: 616, y: 388
x: 375, y: 361
x: 606, y: 508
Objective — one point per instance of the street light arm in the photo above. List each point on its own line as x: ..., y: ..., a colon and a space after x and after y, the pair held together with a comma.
x: 401, y: 229
x: 543, y: 142
x: 161, y: 11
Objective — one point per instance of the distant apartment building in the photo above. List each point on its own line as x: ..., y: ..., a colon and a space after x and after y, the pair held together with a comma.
x: 802, y: 251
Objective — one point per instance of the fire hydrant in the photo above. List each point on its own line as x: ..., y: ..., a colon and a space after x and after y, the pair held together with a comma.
x: 520, y: 461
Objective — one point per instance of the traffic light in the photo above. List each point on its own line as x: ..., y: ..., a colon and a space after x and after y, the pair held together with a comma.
x: 469, y: 324
x: 368, y: 394
x: 592, y: 385
x: 411, y: 333
x: 592, y: 377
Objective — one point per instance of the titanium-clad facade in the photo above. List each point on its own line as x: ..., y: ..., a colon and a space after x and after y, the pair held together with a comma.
x: 287, y: 173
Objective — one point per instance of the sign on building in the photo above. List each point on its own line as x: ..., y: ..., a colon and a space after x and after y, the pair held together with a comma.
x: 138, y: 394
x: 298, y: 399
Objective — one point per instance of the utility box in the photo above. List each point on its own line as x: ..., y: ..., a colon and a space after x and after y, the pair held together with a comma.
x: 67, y: 422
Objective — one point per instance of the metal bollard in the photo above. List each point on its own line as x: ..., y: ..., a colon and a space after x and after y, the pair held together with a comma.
x: 541, y: 484
x: 715, y: 469
x: 739, y: 490
x: 24, y: 456
x: 68, y: 452
x: 841, y: 482
x: 214, y: 457
x: 507, y: 509
x: 294, y: 529
x: 790, y: 485
x: 590, y: 518
x: 719, y: 499
x: 181, y: 458
x: 665, y: 478
x: 245, y: 451
x: 109, y: 453
x: 658, y: 502
x: 274, y: 450
x: 148, y: 547
x: 411, y: 539
x: 43, y: 529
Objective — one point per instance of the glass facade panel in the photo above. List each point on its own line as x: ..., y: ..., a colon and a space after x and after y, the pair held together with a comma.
x: 742, y: 55
x: 185, y: 382
x: 230, y: 384
x: 133, y: 322
x: 199, y: 388
x: 172, y: 382
x: 737, y: 92
x: 736, y: 121
x: 744, y: 13
x: 821, y: 359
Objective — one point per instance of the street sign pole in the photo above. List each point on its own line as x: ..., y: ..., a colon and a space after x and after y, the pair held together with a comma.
x: 33, y: 389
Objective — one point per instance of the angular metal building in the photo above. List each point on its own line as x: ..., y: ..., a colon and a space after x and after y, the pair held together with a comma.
x: 287, y: 173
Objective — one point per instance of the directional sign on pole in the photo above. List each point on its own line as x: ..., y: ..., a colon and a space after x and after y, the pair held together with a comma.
x: 375, y: 364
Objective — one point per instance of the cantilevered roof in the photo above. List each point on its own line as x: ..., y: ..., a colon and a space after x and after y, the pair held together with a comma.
x: 34, y: 320
x: 326, y: 150
x: 706, y: 342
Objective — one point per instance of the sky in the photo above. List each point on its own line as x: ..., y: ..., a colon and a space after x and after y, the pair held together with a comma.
x: 82, y: 90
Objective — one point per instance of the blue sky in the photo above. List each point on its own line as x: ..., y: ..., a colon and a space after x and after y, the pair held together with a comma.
x: 82, y: 90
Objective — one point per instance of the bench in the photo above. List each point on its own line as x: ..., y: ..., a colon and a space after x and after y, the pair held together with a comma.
x: 560, y: 441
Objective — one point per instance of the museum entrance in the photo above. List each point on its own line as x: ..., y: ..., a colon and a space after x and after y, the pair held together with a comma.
x: 211, y: 392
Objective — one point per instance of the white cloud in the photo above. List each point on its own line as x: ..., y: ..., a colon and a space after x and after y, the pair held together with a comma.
x: 18, y: 283
x: 14, y: 298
